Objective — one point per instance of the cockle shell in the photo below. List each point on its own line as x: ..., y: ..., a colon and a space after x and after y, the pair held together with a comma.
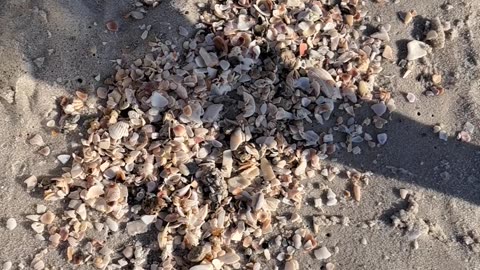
x: 118, y: 130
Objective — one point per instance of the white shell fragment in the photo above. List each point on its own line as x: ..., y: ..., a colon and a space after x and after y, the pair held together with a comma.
x: 331, y: 198
x: 136, y: 227
x: 118, y: 130
x: 31, y: 182
x: 382, y: 138
x: 36, y: 140
x: 11, y: 224
x: 416, y: 50
x: 411, y: 97
x: 322, y: 253
x: 63, y: 158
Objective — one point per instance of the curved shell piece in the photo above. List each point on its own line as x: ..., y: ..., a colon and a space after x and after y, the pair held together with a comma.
x: 118, y: 130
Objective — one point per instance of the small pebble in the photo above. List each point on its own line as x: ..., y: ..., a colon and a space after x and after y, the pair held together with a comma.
x: 11, y: 224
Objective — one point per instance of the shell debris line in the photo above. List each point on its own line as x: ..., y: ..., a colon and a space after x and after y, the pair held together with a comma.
x: 202, y: 148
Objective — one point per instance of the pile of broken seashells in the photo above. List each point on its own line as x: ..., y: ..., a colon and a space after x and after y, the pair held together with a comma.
x: 203, y: 147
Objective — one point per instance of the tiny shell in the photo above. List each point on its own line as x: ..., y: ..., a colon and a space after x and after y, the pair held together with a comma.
x: 202, y: 267
x: 292, y: 265
x: 388, y: 53
x: 44, y: 151
x: 158, y: 100
x: 31, y: 182
x: 411, y: 97
x: 11, y: 224
x: 322, y: 253
x: 47, y: 218
x: 36, y: 140
x: 236, y: 139
x: 112, y: 26
x: 357, y: 192
x: 416, y: 49
x: 63, y: 158
x: 382, y: 138
x: 229, y: 258
x: 118, y: 130
x: 38, y: 227
x: 379, y: 108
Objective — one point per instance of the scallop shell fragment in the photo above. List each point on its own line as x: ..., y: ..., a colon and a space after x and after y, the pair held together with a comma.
x: 118, y: 130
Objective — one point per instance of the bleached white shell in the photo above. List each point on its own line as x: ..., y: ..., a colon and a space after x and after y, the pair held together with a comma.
x: 118, y: 130
x: 411, y: 97
x: 416, y: 50
x: 31, y: 182
x: 63, y: 158
x: 322, y: 253
x: 11, y: 224
x: 36, y: 140
x: 236, y: 139
x: 136, y: 227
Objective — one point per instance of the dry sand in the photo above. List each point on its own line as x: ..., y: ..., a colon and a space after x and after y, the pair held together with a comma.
x: 71, y: 36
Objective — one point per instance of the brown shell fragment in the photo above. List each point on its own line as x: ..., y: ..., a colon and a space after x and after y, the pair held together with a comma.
x: 111, y: 26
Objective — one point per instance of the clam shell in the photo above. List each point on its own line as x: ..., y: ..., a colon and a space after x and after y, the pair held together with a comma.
x: 47, y: 218
x: 44, y: 151
x: 118, y: 130
x: 36, y: 140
